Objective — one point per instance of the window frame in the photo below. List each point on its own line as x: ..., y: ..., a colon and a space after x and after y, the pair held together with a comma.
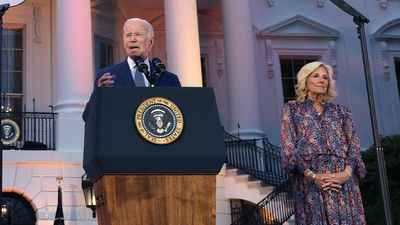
x: 19, y: 95
x: 321, y: 53
x: 97, y: 39
x: 304, y: 58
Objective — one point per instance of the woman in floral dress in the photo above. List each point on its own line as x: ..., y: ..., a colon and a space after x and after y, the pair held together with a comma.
x: 321, y: 150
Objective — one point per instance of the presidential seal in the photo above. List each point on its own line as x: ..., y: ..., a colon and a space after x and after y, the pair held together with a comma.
x: 10, y: 131
x: 159, y: 120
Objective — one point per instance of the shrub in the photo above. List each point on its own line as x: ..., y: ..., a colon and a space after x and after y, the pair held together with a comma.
x: 370, y: 186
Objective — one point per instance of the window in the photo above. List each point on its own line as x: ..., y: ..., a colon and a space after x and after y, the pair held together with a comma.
x: 290, y: 66
x: 12, y: 70
x: 103, y: 53
x: 397, y: 70
x: 21, y: 211
x: 204, y: 71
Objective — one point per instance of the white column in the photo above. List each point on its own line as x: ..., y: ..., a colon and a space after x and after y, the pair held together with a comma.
x: 183, y: 45
x: 74, y: 77
x: 240, y: 69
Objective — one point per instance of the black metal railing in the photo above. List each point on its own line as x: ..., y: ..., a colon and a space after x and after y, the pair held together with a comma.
x: 236, y: 212
x: 36, y: 130
x: 262, y: 163
x: 238, y: 208
x: 274, y: 209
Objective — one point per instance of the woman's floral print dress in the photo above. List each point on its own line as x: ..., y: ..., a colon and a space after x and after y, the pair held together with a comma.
x: 325, y: 143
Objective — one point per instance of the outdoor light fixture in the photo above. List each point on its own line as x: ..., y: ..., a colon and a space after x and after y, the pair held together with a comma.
x: 4, y: 210
x: 90, y: 198
x: 5, y: 214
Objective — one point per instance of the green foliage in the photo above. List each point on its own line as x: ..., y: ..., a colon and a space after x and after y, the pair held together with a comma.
x: 370, y: 186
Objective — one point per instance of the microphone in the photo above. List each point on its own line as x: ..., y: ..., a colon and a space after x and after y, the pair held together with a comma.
x: 141, y: 66
x: 158, y: 65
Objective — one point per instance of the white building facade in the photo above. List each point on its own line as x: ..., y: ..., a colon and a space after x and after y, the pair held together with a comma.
x: 247, y: 50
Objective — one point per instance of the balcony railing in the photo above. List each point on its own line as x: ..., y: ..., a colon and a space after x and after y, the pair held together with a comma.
x: 28, y: 130
x: 263, y: 163
x: 275, y: 209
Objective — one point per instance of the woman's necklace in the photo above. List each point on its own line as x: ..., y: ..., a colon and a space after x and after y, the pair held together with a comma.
x: 318, y: 108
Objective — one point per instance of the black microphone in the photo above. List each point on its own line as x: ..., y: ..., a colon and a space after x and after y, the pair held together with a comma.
x: 158, y: 65
x: 141, y: 66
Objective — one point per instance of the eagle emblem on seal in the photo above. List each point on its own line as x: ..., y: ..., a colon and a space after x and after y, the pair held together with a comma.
x: 159, y: 120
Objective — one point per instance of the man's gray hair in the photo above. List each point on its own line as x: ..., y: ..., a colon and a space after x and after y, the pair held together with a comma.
x: 149, y: 27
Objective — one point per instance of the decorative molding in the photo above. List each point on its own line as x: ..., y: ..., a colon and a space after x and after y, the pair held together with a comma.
x: 383, y: 4
x: 270, y: 3
x: 385, y: 60
x: 219, y: 46
x: 333, y: 57
x: 390, y: 30
x: 299, y: 26
x: 321, y: 3
x: 269, y: 57
x: 37, y: 16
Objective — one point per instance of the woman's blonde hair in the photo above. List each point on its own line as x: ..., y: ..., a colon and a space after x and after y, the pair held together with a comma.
x: 307, y: 70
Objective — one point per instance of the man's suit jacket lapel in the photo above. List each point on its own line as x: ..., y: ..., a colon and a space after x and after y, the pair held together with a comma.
x: 125, y: 73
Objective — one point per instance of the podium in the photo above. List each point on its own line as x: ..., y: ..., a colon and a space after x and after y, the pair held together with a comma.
x: 157, y: 178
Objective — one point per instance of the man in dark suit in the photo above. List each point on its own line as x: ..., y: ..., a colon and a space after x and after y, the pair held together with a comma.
x: 138, y: 38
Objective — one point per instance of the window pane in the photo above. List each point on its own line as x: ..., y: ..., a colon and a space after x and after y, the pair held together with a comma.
x: 4, y: 60
x: 15, y: 82
x: 297, y: 64
x: 103, y: 56
x: 203, y: 70
x: 290, y: 66
x: 310, y: 60
x: 110, y: 55
x: 12, y: 69
x: 16, y: 39
x: 13, y: 104
x: 4, y: 82
x: 103, y: 52
x: 288, y: 87
x: 286, y: 68
x: 397, y: 70
x: 16, y: 60
x: 5, y: 38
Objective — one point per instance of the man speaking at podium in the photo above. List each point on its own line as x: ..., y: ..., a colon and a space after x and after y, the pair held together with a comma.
x: 138, y: 39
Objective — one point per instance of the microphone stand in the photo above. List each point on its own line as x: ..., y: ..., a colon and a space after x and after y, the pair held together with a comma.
x: 159, y: 69
x: 360, y: 20
x: 149, y: 78
x: 158, y: 75
x: 143, y: 68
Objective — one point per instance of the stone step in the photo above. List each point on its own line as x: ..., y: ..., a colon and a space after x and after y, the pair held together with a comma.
x: 251, y: 181
x: 265, y: 190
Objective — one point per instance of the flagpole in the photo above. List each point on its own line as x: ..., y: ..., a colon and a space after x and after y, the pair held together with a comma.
x: 59, y: 217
